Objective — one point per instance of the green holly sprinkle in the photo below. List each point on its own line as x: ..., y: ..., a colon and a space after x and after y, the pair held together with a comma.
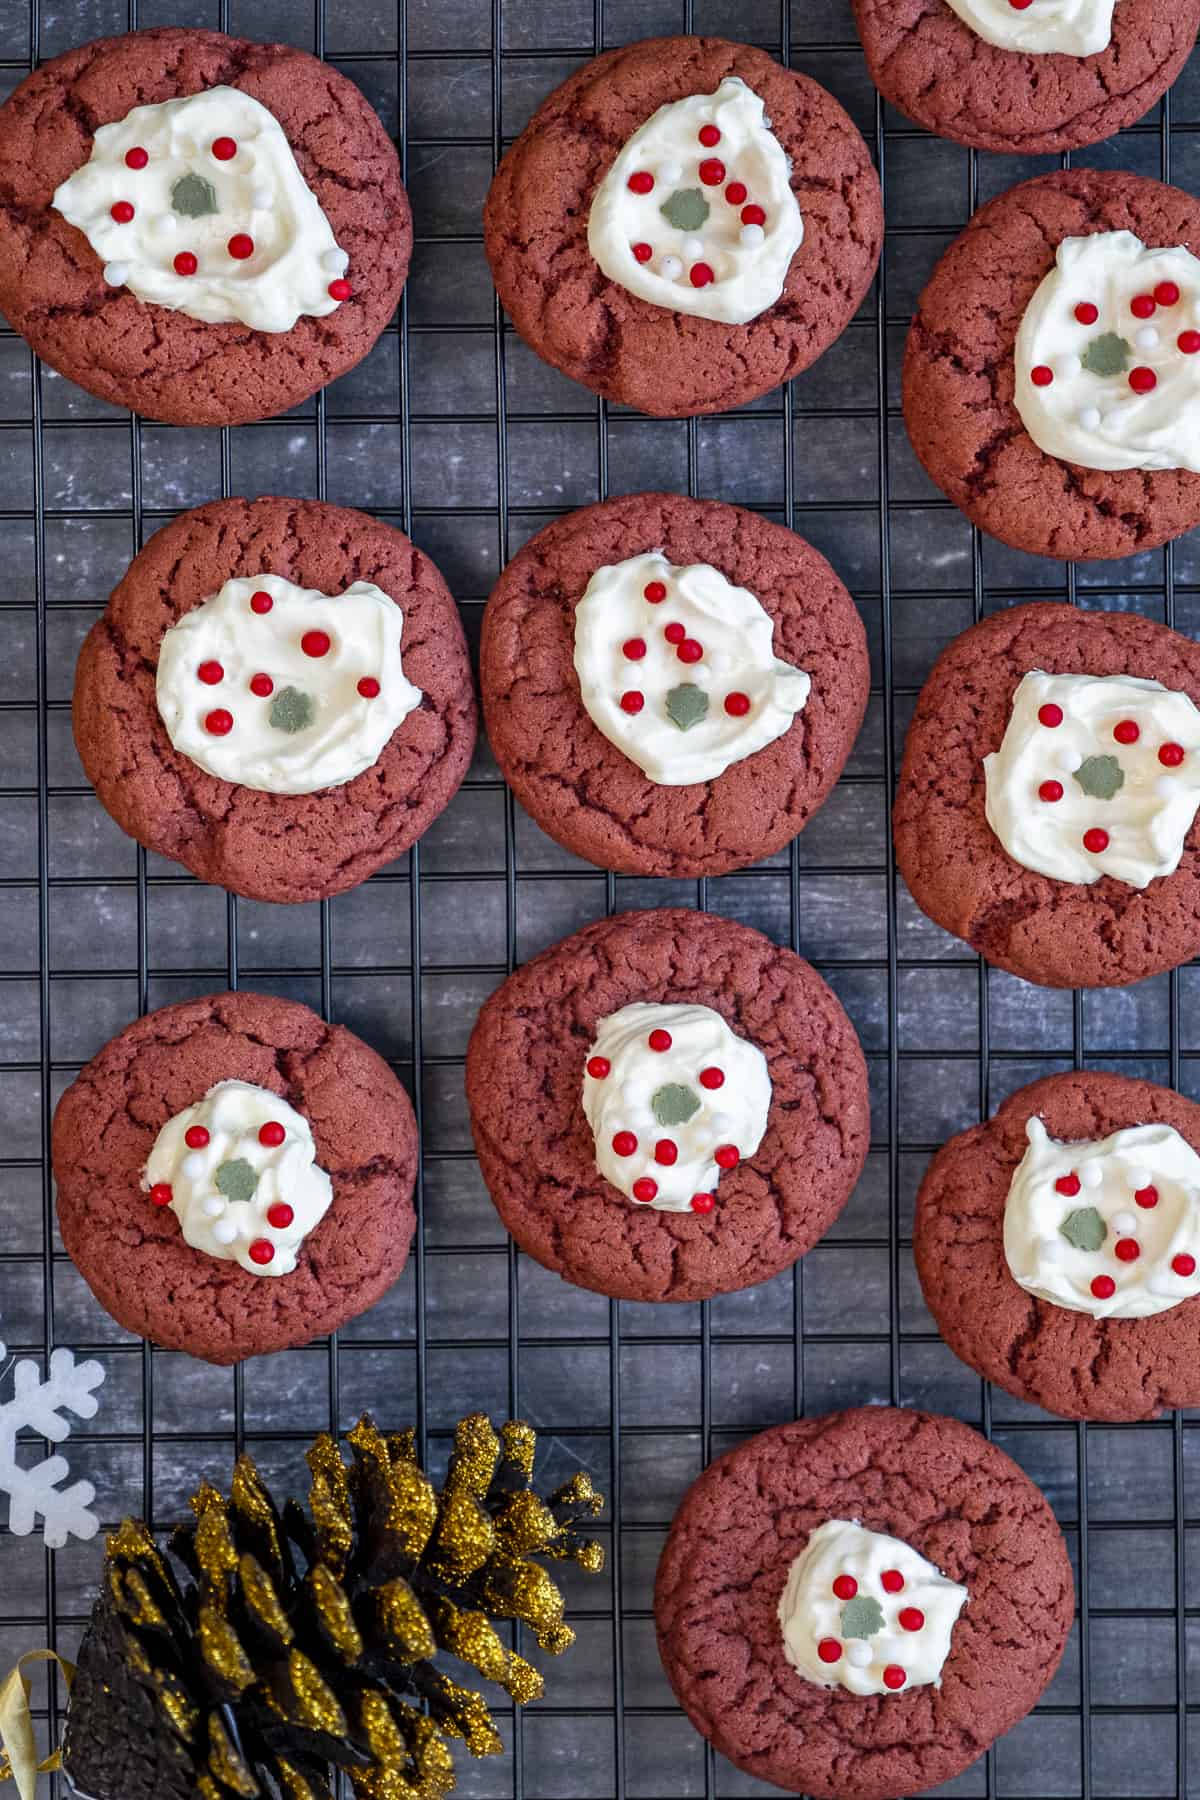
x: 1084, y: 1228
x: 674, y: 1104
x: 291, y: 710
x: 686, y: 210
x: 1100, y: 777
x: 1107, y: 355
x: 236, y: 1179
x: 193, y: 197
x: 687, y: 705
x: 862, y: 1617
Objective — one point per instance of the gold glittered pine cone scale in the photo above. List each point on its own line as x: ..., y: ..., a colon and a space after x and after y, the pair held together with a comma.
x: 299, y: 1641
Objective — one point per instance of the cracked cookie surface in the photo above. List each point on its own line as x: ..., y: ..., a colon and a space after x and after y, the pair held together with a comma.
x: 1055, y: 933
x: 577, y: 784
x: 935, y: 1483
x: 285, y: 847
x: 665, y: 363
x: 132, y: 1254
x: 147, y: 357
x: 959, y: 373
x: 928, y: 62
x: 524, y: 1086
x: 1067, y: 1362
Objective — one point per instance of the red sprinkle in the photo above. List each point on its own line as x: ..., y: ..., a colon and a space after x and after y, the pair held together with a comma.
x: 1067, y: 1184
x: 280, y: 1215
x: 700, y: 274
x: 643, y: 252
x: 660, y: 1040
x: 655, y: 592
x: 845, y: 1587
x: 737, y: 705
x: 892, y: 1581
x: 1127, y: 1250
x: 1127, y: 732
x: 260, y: 602
x: 726, y: 1157
x: 368, y: 687
x: 642, y: 182
x: 712, y: 1078
x: 753, y: 215
x: 1188, y: 342
x: 219, y: 722
x: 1050, y: 714
x: 315, y: 643
x: 1143, y: 306
x: 598, y: 1067
x: 1041, y: 376
x: 1183, y: 1264
x: 185, y: 263
x: 736, y: 192
x: 634, y: 649
x: 1095, y: 840
x: 1171, y: 755
x: 240, y: 246
x: 1166, y: 293
x: 709, y: 135
x: 224, y: 149
x: 1020, y: 5
x: 1086, y: 313
x: 195, y: 1137
x: 644, y: 1188
x: 137, y: 158
x: 712, y: 171
x: 690, y: 651
x: 210, y: 673
x: 271, y: 1134
x: 666, y: 1153
x: 912, y: 1618
x: 703, y: 1203
x: 262, y: 685
x: 262, y: 1251
x: 340, y: 289
x: 1050, y: 790
x: 674, y: 632
x: 632, y: 702
x: 1147, y: 1197
x: 160, y: 1195
x: 1104, y: 1287
x: 894, y: 1676
x: 1143, y: 380
x: 122, y: 212
x: 829, y: 1650
x: 624, y: 1144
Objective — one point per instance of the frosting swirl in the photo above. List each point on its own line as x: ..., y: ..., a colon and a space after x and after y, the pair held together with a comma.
x: 1043, y: 28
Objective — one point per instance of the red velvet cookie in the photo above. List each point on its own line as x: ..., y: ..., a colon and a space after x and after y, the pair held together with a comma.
x: 270, y: 845
x: 143, y: 354
x: 525, y: 1079
x: 1059, y: 933
x: 929, y: 63
x: 652, y: 357
x: 130, y: 1249
x: 584, y: 790
x: 941, y: 1488
x: 1066, y: 1361
x: 959, y: 373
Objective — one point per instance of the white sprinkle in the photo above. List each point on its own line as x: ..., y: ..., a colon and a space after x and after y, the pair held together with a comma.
x: 1123, y: 1223
x: 1070, y: 760
x: 750, y: 235
x: 859, y: 1654
x: 671, y: 171
x: 693, y: 249
x: 1166, y: 787
x: 168, y: 224
x: 1066, y: 366
x: 225, y: 1231
x: 213, y: 1207
x: 261, y: 197
x: 1050, y: 1250
x: 1089, y: 418
x: 335, y: 261
x: 193, y: 1166
x: 1139, y: 1178
x: 116, y: 274
x: 1091, y: 1174
x: 1147, y: 338
x: 671, y: 268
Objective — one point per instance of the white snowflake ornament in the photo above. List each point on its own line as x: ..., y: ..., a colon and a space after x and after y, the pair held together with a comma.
x: 38, y: 1404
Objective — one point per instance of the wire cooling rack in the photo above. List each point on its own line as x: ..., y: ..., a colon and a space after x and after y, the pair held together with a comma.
x: 453, y: 430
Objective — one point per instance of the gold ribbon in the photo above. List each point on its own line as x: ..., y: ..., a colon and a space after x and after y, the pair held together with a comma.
x: 18, y: 1752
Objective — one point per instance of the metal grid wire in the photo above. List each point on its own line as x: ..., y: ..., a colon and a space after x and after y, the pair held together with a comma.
x: 454, y: 431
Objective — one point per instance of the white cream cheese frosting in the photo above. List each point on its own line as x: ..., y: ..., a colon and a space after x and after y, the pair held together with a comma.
x: 1040, y: 27
x: 697, y: 212
x: 676, y: 668
x: 1095, y: 775
x: 197, y: 204
x: 673, y: 1097
x: 239, y: 1171
x: 283, y: 688
x: 866, y: 1612
x: 1109, y: 1227
x: 1108, y: 356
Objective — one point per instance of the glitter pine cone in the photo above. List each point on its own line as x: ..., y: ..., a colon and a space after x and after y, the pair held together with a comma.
x: 303, y: 1641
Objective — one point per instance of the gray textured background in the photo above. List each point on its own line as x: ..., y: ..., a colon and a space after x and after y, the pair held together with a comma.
x: 465, y: 439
